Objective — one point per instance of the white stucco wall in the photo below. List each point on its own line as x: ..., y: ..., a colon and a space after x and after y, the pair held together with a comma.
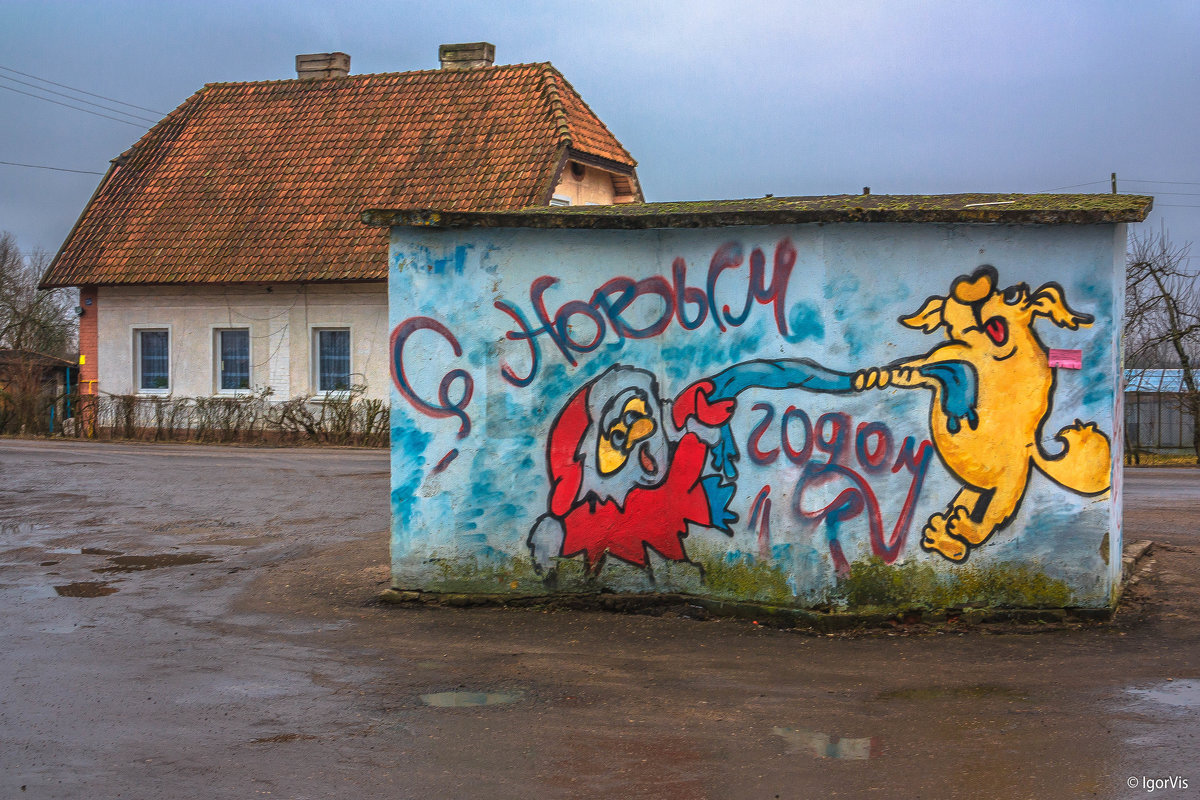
x: 281, y: 319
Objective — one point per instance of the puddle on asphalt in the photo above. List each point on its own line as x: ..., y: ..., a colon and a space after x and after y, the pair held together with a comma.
x: 1180, y: 697
x: 467, y: 699
x: 952, y: 692
x: 20, y: 532
x: 37, y: 592
x: 98, y: 551
x: 138, y: 563
x: 47, y: 564
x: 85, y: 589
x: 822, y: 745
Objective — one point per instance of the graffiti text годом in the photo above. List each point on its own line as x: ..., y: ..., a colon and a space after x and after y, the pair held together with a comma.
x: 851, y: 451
x: 608, y: 313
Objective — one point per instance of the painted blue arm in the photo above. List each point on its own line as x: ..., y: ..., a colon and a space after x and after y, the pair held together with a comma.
x: 784, y: 373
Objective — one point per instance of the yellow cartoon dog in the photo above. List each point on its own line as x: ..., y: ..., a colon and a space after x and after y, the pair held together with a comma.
x: 993, y: 447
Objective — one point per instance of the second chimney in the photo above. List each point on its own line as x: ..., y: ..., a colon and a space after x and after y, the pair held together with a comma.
x: 467, y: 56
x: 322, y: 65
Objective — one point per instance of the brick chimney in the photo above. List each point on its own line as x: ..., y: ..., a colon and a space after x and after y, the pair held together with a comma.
x: 322, y: 65
x: 471, y: 55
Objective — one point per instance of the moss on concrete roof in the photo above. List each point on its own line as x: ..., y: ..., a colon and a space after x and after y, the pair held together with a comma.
x: 1024, y: 209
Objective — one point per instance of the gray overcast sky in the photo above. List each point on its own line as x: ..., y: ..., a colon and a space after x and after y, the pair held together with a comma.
x: 714, y: 99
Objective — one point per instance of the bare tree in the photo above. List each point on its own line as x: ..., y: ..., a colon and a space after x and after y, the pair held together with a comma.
x: 1162, y: 316
x: 33, y: 320
x: 34, y: 325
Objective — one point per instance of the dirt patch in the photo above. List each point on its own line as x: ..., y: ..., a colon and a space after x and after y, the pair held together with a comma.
x: 85, y: 589
x: 140, y: 563
x: 283, y: 737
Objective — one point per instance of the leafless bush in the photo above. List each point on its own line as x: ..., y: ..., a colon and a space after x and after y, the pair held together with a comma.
x: 250, y: 418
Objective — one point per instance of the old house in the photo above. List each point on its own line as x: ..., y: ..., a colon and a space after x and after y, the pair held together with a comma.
x: 223, y: 252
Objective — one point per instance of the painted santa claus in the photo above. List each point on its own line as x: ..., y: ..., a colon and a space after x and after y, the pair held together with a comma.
x: 629, y: 472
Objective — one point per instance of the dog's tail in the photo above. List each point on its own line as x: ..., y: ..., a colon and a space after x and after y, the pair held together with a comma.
x: 1085, y: 463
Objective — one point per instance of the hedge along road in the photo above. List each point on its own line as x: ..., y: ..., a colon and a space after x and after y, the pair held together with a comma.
x: 242, y: 654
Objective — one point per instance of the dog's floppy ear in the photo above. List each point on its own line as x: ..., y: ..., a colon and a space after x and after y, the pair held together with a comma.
x: 1048, y: 301
x: 929, y: 318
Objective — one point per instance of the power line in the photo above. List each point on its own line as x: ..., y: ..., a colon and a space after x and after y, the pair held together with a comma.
x: 77, y: 99
x: 68, y: 105
x: 1174, y: 205
x: 1073, y: 186
x: 80, y: 91
x: 56, y: 169
x: 1177, y: 183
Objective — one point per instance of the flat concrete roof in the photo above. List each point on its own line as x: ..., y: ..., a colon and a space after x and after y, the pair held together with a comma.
x: 1015, y: 209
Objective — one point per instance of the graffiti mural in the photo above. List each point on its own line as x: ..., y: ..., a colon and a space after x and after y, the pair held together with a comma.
x: 561, y: 424
x: 993, y: 447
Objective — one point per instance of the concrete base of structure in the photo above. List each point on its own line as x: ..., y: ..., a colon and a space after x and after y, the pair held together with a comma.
x: 818, y: 620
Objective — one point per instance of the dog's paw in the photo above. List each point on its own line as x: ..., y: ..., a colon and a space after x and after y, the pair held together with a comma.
x: 961, y: 526
x: 936, y: 537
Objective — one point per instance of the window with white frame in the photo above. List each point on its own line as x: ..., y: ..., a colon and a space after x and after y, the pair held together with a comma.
x: 331, y: 360
x: 152, y: 359
x: 232, y: 348
x: 560, y: 200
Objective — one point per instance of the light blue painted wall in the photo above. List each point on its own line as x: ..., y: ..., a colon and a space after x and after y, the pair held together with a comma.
x: 470, y: 476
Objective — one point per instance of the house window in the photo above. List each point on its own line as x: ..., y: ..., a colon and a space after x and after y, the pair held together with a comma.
x: 233, y: 359
x: 332, y: 363
x: 152, y: 357
x: 559, y: 200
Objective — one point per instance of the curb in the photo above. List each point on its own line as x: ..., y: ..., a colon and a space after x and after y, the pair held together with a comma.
x: 1133, y: 555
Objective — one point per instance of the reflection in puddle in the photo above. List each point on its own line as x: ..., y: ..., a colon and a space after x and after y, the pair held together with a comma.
x: 85, y: 589
x: 139, y: 563
x: 1176, y: 696
x: 822, y: 745
x: 18, y: 532
x: 463, y: 699
x: 98, y: 551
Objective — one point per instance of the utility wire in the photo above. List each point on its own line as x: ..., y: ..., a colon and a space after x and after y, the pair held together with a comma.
x: 1073, y: 186
x: 1177, y: 183
x: 78, y: 99
x: 67, y: 105
x: 81, y: 91
x: 56, y: 169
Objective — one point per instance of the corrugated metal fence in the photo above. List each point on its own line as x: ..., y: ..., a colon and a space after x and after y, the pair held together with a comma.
x: 1155, y: 418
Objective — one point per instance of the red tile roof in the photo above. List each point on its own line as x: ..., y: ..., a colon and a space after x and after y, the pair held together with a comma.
x: 264, y: 182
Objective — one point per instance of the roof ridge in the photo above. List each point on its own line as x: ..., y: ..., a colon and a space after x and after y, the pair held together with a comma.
x: 398, y: 73
x: 558, y: 111
x: 591, y: 111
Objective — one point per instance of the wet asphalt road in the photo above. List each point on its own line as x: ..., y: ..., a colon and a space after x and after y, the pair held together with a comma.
x: 199, y: 621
